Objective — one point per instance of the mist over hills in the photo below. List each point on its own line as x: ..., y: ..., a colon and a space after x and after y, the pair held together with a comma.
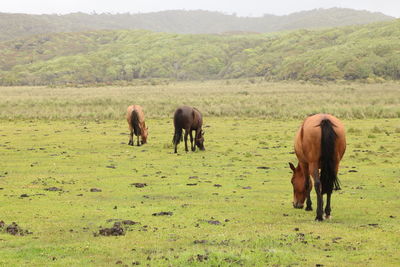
x: 178, y: 21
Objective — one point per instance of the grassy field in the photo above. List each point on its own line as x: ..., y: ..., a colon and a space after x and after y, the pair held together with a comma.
x: 230, y: 205
x: 231, y: 98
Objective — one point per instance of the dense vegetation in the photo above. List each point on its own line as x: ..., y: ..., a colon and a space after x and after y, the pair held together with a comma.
x: 369, y: 52
x: 178, y: 21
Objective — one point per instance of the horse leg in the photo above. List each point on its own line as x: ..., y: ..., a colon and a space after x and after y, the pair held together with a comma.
x: 309, y: 188
x: 328, y: 206
x: 328, y: 196
x: 193, y: 147
x: 130, y: 139
x: 186, y: 137
x: 138, y: 144
x: 318, y: 190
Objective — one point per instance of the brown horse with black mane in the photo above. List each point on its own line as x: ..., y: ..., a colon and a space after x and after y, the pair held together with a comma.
x: 190, y: 119
x: 319, y: 145
x: 137, y: 126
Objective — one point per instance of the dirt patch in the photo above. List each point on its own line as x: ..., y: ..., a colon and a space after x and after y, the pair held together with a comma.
x: 95, y: 190
x: 199, y: 258
x: 116, y: 230
x: 218, y: 185
x: 119, y: 228
x: 53, y: 188
x: 191, y: 184
x: 13, y: 229
x: 246, y: 187
x: 216, y: 222
x: 111, y: 167
x: 200, y: 241
x: 163, y: 213
x: 263, y: 168
x: 139, y: 185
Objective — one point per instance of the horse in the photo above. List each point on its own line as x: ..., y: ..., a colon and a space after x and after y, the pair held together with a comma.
x: 320, y: 144
x: 190, y: 119
x: 137, y: 126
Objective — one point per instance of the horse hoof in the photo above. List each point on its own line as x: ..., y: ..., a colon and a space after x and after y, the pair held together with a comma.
x: 308, y: 209
x: 328, y: 217
x: 320, y: 219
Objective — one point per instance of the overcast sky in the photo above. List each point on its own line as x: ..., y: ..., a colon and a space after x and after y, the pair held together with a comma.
x: 241, y: 8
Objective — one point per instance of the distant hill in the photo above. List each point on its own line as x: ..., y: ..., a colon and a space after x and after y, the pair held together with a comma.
x: 20, y: 25
x: 353, y: 52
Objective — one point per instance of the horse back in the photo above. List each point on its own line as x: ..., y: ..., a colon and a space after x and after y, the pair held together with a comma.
x: 186, y: 117
x: 308, y: 138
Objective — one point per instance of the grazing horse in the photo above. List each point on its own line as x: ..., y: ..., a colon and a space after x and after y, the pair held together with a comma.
x: 319, y: 145
x: 137, y: 126
x: 190, y: 119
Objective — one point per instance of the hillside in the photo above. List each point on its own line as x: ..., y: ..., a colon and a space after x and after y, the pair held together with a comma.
x: 356, y: 52
x: 21, y: 25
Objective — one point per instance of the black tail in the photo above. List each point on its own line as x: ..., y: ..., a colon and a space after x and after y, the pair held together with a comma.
x: 177, y: 136
x: 135, y: 123
x: 329, y: 179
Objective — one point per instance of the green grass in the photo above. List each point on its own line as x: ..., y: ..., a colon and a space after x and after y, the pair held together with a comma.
x: 73, y: 154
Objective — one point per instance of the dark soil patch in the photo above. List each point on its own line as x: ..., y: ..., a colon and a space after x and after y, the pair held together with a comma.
x: 163, y: 213
x: 191, y: 184
x: 95, y: 190
x: 116, y: 230
x: 200, y: 241
x: 201, y: 258
x: 218, y: 185
x: 24, y: 195
x: 353, y: 171
x: 263, y: 168
x: 53, y: 189
x: 129, y: 222
x: 216, y: 222
x: 111, y: 167
x: 246, y: 187
x: 139, y: 185
x: 13, y: 229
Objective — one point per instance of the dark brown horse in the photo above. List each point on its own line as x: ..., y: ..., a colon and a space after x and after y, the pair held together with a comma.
x: 190, y: 119
x: 137, y: 126
x: 319, y: 145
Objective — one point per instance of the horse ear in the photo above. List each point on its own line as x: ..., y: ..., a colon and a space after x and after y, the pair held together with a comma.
x: 292, y: 166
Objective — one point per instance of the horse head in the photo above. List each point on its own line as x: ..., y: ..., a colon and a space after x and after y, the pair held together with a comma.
x: 200, y: 140
x: 299, y: 186
x: 144, y: 134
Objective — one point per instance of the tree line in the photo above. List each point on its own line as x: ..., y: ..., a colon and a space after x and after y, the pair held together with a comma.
x: 368, y: 52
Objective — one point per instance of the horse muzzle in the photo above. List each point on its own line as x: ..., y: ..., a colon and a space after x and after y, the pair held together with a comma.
x: 298, y: 205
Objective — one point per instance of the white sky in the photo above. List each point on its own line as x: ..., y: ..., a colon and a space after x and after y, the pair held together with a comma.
x: 240, y: 7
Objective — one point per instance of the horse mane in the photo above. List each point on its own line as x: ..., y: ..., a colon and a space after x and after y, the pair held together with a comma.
x: 329, y: 179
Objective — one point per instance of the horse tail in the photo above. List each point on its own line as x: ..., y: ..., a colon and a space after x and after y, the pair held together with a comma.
x: 135, y: 123
x: 177, y: 136
x: 329, y: 179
